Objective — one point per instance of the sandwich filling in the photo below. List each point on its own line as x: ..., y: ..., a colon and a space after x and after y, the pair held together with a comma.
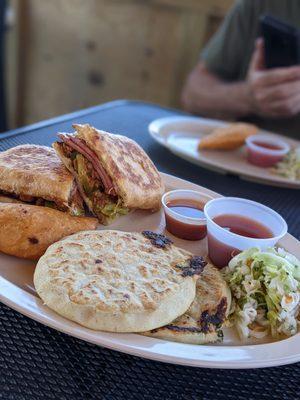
x: 74, y: 205
x: 93, y: 181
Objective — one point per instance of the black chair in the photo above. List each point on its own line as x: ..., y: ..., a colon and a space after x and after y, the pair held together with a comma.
x: 3, y: 125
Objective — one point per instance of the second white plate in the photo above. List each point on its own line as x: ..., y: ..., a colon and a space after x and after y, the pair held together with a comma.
x: 181, y: 135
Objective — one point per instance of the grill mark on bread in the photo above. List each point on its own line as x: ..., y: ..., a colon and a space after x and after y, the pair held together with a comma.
x: 128, y: 147
x: 36, y: 154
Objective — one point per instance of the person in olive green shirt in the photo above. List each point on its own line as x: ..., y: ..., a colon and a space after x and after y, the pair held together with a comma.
x: 230, y: 80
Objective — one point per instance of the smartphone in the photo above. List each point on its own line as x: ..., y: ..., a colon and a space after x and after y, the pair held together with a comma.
x: 282, y: 42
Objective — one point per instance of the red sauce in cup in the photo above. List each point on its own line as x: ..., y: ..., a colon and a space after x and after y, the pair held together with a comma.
x: 262, y: 160
x: 265, y: 152
x: 266, y: 145
x: 187, y: 208
x: 220, y: 253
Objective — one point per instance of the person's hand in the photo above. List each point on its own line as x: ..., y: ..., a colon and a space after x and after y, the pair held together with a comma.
x: 273, y: 92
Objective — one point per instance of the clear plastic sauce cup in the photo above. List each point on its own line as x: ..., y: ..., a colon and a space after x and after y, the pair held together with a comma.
x: 223, y: 244
x: 183, y: 226
x: 265, y: 151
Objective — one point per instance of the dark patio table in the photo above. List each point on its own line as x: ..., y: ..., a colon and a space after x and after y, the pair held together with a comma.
x: 37, y: 362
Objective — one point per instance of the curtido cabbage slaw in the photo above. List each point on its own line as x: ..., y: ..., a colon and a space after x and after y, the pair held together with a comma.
x: 266, y: 290
x: 289, y: 167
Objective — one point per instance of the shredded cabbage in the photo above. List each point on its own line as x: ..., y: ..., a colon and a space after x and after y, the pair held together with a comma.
x: 112, y: 210
x: 289, y: 167
x: 266, y: 290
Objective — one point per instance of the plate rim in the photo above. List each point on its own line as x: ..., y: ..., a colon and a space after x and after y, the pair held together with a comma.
x: 33, y: 308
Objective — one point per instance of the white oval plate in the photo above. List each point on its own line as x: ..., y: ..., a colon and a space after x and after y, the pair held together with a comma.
x: 181, y: 136
x: 17, y: 291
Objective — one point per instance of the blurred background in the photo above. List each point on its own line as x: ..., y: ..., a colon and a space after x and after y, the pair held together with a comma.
x: 58, y: 56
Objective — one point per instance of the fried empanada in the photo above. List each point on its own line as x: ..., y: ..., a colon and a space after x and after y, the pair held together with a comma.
x: 27, y: 231
x: 229, y: 137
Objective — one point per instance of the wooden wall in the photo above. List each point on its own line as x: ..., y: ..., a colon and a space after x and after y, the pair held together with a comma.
x: 77, y: 53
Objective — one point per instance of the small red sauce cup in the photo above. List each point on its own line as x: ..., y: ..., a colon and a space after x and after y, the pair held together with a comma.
x: 182, y: 226
x: 223, y: 244
x: 265, y: 151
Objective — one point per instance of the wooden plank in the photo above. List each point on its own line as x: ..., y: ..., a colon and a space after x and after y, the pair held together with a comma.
x: 78, y: 53
x: 201, y: 6
x: 11, y: 61
x: 22, y: 70
x: 197, y: 5
x: 82, y: 58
